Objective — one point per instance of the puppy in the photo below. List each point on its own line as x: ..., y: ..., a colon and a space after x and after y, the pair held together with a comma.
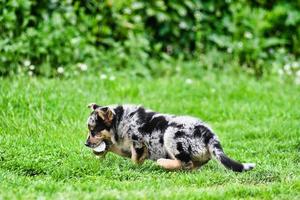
x: 174, y: 142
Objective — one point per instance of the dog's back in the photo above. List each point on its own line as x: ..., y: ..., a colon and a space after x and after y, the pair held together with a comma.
x: 184, y: 138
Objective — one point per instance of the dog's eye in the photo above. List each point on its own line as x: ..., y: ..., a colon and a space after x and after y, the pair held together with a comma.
x: 93, y: 133
x: 90, y: 127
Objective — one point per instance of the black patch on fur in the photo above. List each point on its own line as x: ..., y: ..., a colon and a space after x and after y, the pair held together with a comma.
x: 167, y: 156
x: 203, y: 131
x: 179, y: 146
x: 179, y: 134
x: 218, y: 146
x: 134, y: 137
x: 161, y: 139
x: 197, y: 132
x: 140, y: 111
x: 190, y: 149
x: 100, y: 126
x: 144, y: 116
x: 116, y: 136
x: 207, y: 136
x: 182, y: 156
x: 173, y: 124
x: 161, y: 123
x: 139, y: 152
x: 131, y: 114
x: 119, y: 110
x: 157, y: 123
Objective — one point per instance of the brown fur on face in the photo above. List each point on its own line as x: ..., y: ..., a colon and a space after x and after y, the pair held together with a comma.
x: 99, y: 124
x: 95, y: 140
x: 106, y: 115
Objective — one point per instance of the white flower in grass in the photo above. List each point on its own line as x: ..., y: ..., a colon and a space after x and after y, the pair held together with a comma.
x: 82, y: 66
x: 75, y: 40
x: 229, y: 50
x: 287, y: 67
x: 240, y: 45
x: 137, y: 18
x: 298, y: 74
x: 189, y: 81
x: 31, y: 67
x: 112, y: 78
x: 248, y: 35
x: 183, y: 25
x: 137, y: 5
x: 127, y: 11
x: 30, y: 73
x: 280, y: 72
x: 297, y: 80
x: 103, y: 76
x: 60, y: 70
x: 295, y: 65
x: 282, y: 50
x: 289, y: 72
x: 27, y: 63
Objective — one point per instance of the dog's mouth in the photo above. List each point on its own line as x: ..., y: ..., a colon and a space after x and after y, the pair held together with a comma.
x: 102, y: 148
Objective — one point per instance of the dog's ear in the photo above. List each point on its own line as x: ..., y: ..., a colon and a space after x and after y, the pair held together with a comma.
x: 93, y: 106
x: 106, y: 114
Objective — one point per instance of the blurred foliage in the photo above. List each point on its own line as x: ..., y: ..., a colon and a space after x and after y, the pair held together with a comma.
x: 258, y: 35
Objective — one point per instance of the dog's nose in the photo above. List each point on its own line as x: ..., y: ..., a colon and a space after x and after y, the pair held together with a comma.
x: 87, y: 143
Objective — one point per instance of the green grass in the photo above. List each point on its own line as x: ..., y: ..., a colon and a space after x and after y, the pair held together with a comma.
x: 43, y: 129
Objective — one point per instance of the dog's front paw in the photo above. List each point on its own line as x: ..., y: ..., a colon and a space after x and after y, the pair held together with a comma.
x: 140, y: 161
x: 134, y: 160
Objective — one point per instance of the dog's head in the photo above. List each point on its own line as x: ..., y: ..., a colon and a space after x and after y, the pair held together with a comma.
x: 99, y: 125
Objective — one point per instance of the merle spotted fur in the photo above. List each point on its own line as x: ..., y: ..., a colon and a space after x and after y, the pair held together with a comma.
x: 184, y: 138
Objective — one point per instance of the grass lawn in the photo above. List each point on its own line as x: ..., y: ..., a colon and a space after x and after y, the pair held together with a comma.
x: 43, y: 130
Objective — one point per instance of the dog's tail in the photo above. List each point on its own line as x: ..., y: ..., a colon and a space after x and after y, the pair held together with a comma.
x: 216, y: 150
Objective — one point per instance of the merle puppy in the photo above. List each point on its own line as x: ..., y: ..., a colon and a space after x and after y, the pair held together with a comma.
x: 175, y: 142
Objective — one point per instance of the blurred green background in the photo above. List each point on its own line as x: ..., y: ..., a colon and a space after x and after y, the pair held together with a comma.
x: 234, y: 64
x: 67, y: 37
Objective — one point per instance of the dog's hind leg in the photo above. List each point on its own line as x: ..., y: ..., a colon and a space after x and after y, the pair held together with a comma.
x: 198, y: 164
x: 170, y: 164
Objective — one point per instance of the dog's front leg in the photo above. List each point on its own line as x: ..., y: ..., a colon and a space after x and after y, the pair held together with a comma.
x: 119, y: 151
x: 142, y: 154
x: 138, y: 154
x: 134, y: 155
x: 169, y: 164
